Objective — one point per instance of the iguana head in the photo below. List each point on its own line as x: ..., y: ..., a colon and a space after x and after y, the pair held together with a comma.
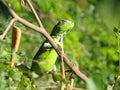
x: 62, y: 27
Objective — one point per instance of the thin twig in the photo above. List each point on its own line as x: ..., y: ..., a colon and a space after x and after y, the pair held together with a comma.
x: 34, y: 12
x: 56, y: 87
x: 62, y: 72
x: 71, y: 83
x: 8, y: 28
x: 117, y: 77
x: 119, y: 56
x: 43, y: 32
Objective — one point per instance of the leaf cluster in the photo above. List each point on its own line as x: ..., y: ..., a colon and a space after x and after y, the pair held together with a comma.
x: 90, y: 45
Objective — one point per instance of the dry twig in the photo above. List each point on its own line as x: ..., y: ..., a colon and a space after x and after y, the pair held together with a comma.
x: 34, y: 12
x: 62, y: 72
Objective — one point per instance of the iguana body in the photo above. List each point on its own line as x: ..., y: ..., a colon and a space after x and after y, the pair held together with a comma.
x: 45, y: 58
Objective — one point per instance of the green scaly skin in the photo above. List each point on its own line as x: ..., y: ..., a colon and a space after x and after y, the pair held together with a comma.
x: 45, y: 58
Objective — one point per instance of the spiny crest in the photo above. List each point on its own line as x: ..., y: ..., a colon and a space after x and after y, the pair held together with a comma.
x: 62, y: 27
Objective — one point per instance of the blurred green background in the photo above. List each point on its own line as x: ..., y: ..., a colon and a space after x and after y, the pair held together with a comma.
x: 91, y: 43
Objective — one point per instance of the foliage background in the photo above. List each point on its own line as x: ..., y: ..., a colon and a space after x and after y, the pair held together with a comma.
x: 91, y: 43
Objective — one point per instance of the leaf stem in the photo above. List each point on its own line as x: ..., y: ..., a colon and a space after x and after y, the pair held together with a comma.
x: 119, y: 55
x: 118, y: 51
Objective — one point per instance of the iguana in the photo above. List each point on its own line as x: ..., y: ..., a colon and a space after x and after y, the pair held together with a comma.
x: 45, y: 58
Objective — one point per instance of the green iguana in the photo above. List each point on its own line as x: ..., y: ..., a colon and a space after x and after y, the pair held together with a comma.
x: 45, y: 58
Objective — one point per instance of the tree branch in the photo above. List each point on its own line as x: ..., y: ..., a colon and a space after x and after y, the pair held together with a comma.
x: 56, y: 87
x: 43, y: 32
x: 34, y: 12
x: 8, y: 28
x: 62, y: 72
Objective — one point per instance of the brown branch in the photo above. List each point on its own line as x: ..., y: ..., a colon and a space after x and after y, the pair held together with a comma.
x: 42, y: 31
x: 34, y: 12
x: 62, y: 72
x: 71, y: 83
x: 7, y: 29
x: 56, y: 87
